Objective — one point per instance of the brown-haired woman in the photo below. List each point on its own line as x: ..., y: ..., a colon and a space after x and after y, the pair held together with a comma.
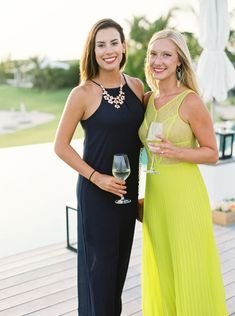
x: 109, y: 106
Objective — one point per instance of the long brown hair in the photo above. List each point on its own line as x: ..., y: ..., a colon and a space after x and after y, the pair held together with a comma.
x: 88, y: 64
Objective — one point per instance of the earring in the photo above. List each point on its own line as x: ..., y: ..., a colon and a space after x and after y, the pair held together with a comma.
x: 179, y: 73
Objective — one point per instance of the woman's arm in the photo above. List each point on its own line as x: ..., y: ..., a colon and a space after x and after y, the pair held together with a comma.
x: 71, y: 116
x: 196, y: 114
x: 73, y: 112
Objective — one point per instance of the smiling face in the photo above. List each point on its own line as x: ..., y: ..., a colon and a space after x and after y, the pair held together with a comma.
x: 109, y: 48
x: 163, y: 59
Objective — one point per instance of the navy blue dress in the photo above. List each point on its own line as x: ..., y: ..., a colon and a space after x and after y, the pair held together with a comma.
x: 105, y: 229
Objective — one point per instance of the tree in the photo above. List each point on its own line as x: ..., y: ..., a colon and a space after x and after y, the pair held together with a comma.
x: 193, y: 45
x: 230, y: 51
x: 45, y: 78
x: 2, y: 73
x: 141, y: 30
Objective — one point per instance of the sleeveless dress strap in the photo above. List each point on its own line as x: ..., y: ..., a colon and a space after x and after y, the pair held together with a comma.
x: 124, y: 78
x: 96, y: 83
x: 174, y: 117
x: 182, y: 96
x: 100, y: 85
x: 151, y: 97
x: 149, y: 111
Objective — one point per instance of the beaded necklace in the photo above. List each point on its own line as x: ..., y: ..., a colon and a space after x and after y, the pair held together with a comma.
x: 117, y: 101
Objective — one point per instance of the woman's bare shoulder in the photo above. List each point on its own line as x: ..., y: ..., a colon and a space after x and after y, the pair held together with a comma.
x: 193, y: 107
x: 193, y: 97
x: 134, y: 81
x: 136, y: 86
x: 82, y: 93
x: 81, y: 89
x: 193, y: 102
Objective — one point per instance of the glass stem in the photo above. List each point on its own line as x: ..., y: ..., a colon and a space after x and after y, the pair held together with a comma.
x: 152, y: 161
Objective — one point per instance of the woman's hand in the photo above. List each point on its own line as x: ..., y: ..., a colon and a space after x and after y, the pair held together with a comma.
x: 165, y: 149
x: 109, y: 184
x: 195, y: 113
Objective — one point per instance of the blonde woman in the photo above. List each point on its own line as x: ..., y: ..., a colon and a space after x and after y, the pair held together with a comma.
x: 181, y: 268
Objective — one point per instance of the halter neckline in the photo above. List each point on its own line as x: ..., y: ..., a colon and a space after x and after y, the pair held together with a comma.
x: 98, y: 84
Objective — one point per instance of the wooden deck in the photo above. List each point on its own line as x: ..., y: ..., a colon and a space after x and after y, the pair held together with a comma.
x: 43, y: 281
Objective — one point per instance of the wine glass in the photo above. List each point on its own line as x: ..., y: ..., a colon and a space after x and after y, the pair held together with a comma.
x: 154, y: 135
x: 121, y: 170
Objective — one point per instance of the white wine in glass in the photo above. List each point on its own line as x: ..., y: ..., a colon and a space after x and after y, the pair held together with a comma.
x: 154, y: 135
x: 121, y: 170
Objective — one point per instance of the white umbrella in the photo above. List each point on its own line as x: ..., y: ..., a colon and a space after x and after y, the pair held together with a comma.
x: 215, y: 71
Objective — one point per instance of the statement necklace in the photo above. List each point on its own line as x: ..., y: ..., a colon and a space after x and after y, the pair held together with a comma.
x: 117, y: 101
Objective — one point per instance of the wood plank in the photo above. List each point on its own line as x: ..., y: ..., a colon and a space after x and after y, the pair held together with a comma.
x: 227, y: 245
x: 131, y: 294
x: 36, y: 265
x: 32, y: 259
x: 135, y: 260
x: 227, y: 255
x: 230, y: 290
x: 131, y: 307
x: 73, y: 313
x: 231, y: 305
x: 219, y: 230
x: 37, y: 283
x: 228, y: 265
x: 38, y: 273
x: 132, y: 282
x: 226, y: 237
x: 229, y: 277
x: 43, y: 302
x: 134, y: 270
x: 29, y: 253
x: 68, y: 307
x: 35, y: 294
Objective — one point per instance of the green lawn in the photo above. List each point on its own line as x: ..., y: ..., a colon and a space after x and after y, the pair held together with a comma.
x: 42, y: 101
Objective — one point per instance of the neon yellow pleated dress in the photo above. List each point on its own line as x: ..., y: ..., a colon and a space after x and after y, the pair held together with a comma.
x: 181, y: 273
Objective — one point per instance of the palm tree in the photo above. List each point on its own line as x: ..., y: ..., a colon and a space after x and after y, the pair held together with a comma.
x: 141, y: 30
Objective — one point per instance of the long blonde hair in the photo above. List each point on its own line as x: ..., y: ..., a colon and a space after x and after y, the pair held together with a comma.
x: 188, y: 75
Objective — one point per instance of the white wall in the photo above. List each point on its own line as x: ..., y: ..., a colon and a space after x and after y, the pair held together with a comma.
x: 219, y: 180
x: 34, y: 187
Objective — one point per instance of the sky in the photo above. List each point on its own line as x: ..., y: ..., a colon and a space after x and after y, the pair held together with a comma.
x: 57, y: 29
